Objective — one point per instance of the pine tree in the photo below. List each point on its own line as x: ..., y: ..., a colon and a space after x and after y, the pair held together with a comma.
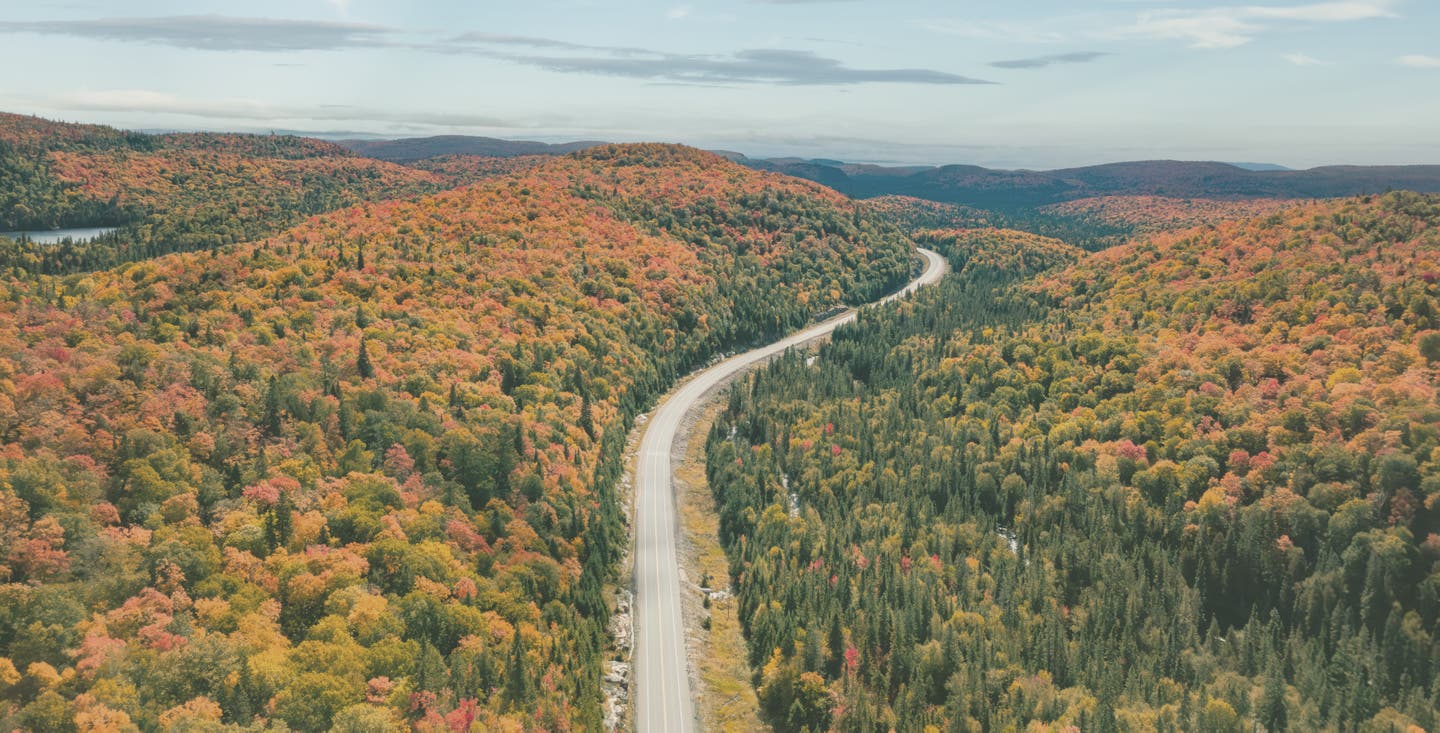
x: 270, y: 422
x: 362, y: 363
x: 517, y: 679
x: 279, y: 522
x: 1272, y: 705
x: 587, y: 419
x: 835, y: 645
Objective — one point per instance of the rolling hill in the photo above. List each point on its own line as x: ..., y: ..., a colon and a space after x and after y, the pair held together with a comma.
x: 360, y: 474
x: 1006, y: 189
x: 174, y: 192
x: 1187, y: 483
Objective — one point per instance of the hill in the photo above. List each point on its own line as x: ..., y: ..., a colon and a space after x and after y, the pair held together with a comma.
x: 409, y: 150
x: 361, y: 474
x: 1148, y: 214
x: 175, y: 192
x: 1005, y: 189
x: 1188, y: 483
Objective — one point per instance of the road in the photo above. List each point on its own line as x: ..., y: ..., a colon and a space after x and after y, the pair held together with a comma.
x: 662, y: 681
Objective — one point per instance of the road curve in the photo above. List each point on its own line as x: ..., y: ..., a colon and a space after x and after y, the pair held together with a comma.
x: 662, y: 681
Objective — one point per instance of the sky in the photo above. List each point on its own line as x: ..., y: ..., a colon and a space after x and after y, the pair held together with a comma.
x: 1003, y: 83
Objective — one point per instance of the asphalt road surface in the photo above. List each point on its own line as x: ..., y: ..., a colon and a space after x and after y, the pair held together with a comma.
x: 662, y: 681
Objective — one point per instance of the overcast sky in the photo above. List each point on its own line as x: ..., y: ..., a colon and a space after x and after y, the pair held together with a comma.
x: 1016, y: 83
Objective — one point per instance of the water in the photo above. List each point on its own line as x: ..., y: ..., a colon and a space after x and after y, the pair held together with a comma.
x: 55, y: 236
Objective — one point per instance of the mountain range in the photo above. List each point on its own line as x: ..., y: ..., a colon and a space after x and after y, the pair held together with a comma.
x: 986, y: 187
x: 989, y: 187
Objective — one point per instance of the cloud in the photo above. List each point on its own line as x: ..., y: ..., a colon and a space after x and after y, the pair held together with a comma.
x: 1333, y: 12
x: 1228, y: 27
x: 224, y: 33
x: 679, y: 12
x: 214, y: 32
x: 475, y: 39
x: 1203, y: 29
x: 153, y: 102
x: 1419, y: 61
x: 754, y: 66
x: 990, y: 31
x: 1300, y: 59
x: 1040, y: 62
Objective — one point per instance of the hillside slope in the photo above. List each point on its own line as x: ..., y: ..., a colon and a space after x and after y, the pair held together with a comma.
x: 362, y: 473
x: 1190, y: 483
x: 174, y: 193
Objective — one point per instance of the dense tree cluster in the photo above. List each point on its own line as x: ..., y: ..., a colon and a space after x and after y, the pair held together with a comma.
x: 1149, y: 214
x: 465, y: 169
x: 1191, y: 483
x: 173, y: 193
x: 1077, y: 226
x: 362, y: 474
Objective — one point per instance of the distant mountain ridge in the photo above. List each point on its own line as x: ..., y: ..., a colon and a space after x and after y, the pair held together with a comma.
x: 988, y: 187
x: 985, y: 187
x: 409, y: 150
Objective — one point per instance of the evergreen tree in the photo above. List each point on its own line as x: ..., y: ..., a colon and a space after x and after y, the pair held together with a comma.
x: 517, y: 677
x: 362, y: 363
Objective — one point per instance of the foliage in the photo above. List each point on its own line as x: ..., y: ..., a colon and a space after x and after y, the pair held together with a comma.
x: 173, y: 193
x: 1056, y: 222
x: 1149, y: 214
x: 362, y: 473
x: 1185, y: 484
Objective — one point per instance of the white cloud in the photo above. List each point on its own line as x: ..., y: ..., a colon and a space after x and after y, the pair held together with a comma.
x: 1337, y: 12
x: 1204, y: 29
x: 679, y: 12
x: 1300, y: 59
x: 1228, y: 27
x: 1419, y: 61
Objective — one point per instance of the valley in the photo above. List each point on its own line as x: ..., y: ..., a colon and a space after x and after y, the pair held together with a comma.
x: 309, y: 436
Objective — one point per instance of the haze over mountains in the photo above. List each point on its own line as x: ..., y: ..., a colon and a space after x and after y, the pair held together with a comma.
x: 980, y: 186
x: 409, y: 150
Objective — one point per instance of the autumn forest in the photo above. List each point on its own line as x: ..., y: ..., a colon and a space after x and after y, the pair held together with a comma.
x: 316, y: 441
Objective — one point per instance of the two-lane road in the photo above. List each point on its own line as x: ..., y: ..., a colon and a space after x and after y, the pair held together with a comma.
x: 662, y: 681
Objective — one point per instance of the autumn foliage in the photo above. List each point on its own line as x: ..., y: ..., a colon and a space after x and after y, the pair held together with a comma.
x: 361, y: 474
x: 1189, y: 483
x: 1149, y: 214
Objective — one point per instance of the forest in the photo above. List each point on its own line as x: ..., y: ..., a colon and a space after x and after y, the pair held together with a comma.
x: 1187, y: 483
x: 179, y: 192
x: 361, y: 474
x: 315, y: 441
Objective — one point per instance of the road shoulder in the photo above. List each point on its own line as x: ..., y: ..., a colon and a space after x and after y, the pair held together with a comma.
x: 725, y: 698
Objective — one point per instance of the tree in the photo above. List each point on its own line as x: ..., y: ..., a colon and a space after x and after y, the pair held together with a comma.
x: 517, y: 677
x: 362, y: 363
x: 1429, y: 343
x: 312, y: 700
x: 1272, y: 705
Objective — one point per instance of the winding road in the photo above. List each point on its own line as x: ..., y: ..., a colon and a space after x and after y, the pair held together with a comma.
x: 662, y: 681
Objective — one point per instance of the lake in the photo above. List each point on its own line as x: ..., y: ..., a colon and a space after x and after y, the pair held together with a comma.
x: 53, y: 236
